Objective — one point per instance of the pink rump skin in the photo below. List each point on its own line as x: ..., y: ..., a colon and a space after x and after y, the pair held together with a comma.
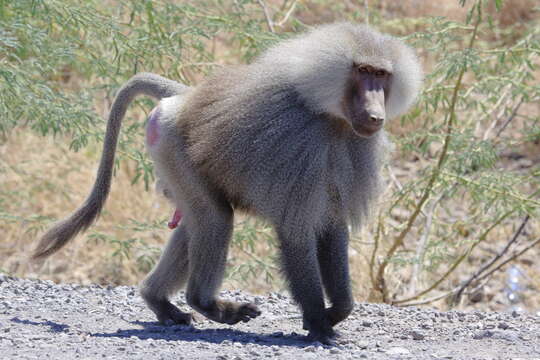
x: 152, y: 129
x: 175, y: 220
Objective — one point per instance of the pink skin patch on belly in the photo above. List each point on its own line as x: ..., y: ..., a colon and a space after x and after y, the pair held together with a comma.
x: 152, y: 128
x: 175, y: 220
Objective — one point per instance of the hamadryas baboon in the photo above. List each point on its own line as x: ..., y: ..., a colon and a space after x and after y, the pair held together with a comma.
x: 295, y: 138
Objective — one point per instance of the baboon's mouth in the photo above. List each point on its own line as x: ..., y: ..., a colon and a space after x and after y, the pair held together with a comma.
x: 364, y: 130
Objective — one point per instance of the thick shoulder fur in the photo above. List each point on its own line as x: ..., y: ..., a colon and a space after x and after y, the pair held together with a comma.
x: 268, y: 135
x: 265, y: 150
x: 317, y: 63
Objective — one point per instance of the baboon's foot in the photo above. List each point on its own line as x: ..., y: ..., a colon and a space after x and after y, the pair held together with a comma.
x: 334, y: 315
x: 168, y: 314
x: 323, y: 335
x: 229, y: 312
x: 320, y: 331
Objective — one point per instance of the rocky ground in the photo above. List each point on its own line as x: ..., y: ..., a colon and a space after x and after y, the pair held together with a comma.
x: 40, y: 319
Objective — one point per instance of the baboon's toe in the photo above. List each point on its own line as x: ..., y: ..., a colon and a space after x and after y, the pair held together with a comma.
x: 248, y: 311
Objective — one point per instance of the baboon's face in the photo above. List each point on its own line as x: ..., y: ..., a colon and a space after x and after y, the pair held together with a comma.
x: 364, y: 101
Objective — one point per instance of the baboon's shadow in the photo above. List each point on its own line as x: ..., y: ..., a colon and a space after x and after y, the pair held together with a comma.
x: 54, y: 326
x: 155, y: 331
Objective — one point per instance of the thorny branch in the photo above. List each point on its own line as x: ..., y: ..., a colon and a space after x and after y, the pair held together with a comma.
x: 513, y: 257
x: 456, y: 263
x: 487, y: 265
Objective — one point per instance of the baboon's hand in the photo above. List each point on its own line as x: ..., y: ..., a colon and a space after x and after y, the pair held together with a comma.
x: 232, y: 313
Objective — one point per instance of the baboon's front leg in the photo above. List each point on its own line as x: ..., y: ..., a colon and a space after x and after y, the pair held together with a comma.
x: 299, y: 253
x: 332, y: 253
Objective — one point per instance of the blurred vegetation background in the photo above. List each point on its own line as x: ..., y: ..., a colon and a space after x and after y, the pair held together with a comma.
x: 457, y: 225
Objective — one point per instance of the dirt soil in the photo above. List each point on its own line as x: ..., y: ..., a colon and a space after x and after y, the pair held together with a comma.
x: 41, y: 319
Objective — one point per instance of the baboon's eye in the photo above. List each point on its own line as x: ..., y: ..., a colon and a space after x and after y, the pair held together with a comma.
x: 380, y: 73
x: 363, y: 69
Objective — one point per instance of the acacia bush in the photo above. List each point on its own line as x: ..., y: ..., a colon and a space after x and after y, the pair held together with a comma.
x: 454, y: 184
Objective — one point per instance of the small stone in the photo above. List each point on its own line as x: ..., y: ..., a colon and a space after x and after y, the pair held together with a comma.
x: 482, y: 334
x: 366, y: 323
x: 417, y: 335
x: 479, y: 315
x: 363, y: 345
x: 503, y: 325
x: 398, y: 351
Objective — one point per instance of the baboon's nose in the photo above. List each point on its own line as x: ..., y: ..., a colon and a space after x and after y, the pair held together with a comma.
x: 376, y: 119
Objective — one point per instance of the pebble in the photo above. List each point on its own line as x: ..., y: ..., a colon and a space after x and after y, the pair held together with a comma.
x: 54, y: 321
x: 363, y: 344
x: 398, y: 351
x: 482, y: 334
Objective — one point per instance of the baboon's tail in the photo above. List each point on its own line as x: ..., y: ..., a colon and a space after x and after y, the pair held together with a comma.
x: 63, y: 231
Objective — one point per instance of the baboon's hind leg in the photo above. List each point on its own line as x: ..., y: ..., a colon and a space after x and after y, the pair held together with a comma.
x: 208, y: 254
x: 167, y: 277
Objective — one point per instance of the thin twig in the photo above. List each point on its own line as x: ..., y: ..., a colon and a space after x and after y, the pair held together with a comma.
x: 421, y: 248
x: 429, y: 300
x: 267, y: 16
x: 510, y: 118
x: 374, y: 252
x: 498, y: 103
x: 495, y: 258
x: 394, y: 178
x: 480, y: 285
x: 288, y: 14
x: 366, y: 9
x: 514, y: 256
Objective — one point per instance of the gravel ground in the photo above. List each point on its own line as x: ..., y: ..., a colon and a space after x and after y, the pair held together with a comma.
x: 40, y: 319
